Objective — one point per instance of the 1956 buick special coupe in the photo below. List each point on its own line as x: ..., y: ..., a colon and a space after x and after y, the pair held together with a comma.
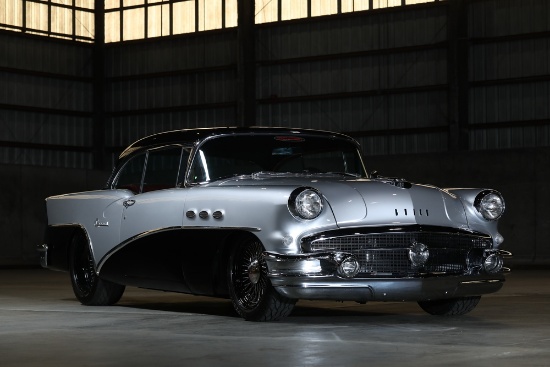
x: 268, y: 216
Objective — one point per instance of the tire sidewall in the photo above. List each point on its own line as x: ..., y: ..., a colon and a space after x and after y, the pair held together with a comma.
x: 78, y: 246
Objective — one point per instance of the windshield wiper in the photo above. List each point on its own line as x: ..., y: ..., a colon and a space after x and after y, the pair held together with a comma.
x: 263, y: 174
x: 356, y: 175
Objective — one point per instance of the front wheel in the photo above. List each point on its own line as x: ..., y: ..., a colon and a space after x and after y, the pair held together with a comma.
x: 252, y: 294
x: 450, y: 307
x: 88, y: 288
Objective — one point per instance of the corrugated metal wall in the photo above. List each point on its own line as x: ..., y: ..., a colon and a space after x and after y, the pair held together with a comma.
x: 380, y: 75
x: 509, y: 74
x: 167, y: 84
x: 373, y: 73
x: 45, y: 102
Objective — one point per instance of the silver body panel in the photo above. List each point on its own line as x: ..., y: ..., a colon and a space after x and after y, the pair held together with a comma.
x: 259, y: 204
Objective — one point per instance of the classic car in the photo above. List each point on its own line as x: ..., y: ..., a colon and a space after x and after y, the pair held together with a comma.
x: 268, y: 216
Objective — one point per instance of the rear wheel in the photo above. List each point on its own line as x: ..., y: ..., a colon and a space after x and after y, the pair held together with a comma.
x: 88, y: 288
x: 252, y: 294
x: 450, y: 307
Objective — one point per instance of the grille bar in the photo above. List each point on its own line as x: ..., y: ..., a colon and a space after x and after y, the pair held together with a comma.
x: 388, y: 253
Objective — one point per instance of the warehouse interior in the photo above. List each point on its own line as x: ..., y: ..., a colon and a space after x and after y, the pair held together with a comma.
x: 450, y: 93
x: 453, y: 93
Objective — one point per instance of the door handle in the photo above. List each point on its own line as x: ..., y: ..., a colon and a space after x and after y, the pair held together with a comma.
x: 128, y: 203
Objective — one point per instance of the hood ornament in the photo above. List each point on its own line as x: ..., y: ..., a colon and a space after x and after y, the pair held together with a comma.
x: 397, y: 182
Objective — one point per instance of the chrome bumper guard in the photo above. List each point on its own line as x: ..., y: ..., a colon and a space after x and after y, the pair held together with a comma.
x: 43, y: 254
x: 316, y: 276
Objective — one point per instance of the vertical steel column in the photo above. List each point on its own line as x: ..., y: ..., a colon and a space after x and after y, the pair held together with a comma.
x: 98, y: 88
x: 246, y: 64
x: 457, y: 74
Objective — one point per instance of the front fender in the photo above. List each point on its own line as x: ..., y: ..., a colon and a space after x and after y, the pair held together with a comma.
x: 261, y: 210
x: 476, y: 221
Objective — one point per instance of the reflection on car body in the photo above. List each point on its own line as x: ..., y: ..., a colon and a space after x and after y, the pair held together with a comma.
x: 268, y: 216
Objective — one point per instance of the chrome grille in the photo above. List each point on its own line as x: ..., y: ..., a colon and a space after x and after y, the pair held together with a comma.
x: 387, y: 254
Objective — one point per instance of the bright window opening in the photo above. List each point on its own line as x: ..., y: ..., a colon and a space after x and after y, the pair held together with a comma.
x: 138, y: 19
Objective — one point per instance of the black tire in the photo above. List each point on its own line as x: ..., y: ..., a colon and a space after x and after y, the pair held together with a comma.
x: 88, y: 288
x: 450, y: 307
x: 252, y: 294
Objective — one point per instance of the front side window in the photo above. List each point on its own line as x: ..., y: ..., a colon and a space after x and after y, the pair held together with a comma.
x: 228, y: 156
x: 154, y: 170
x: 129, y: 177
x: 163, y: 168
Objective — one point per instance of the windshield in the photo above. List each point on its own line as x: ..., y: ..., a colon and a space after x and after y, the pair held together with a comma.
x: 228, y: 156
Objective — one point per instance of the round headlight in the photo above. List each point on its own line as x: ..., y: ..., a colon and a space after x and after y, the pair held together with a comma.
x: 306, y: 203
x: 493, y: 263
x: 489, y: 204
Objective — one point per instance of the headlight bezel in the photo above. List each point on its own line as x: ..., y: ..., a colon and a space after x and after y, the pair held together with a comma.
x: 483, y: 202
x: 303, y: 210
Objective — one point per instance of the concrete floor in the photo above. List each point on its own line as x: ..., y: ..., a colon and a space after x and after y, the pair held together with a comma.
x: 41, y: 324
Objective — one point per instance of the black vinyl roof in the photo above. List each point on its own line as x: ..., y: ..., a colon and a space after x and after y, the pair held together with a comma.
x: 191, y: 136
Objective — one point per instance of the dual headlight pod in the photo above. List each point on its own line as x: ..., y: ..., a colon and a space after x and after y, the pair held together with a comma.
x: 305, y: 203
x: 490, y: 204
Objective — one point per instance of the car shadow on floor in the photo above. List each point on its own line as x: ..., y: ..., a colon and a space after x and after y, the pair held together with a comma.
x: 303, y: 310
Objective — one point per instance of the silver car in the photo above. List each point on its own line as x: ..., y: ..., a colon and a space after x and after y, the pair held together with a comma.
x: 268, y: 216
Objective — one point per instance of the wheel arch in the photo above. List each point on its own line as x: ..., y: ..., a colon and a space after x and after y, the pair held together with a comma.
x: 58, y: 238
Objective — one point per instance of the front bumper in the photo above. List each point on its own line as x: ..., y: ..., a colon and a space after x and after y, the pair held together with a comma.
x: 310, y: 276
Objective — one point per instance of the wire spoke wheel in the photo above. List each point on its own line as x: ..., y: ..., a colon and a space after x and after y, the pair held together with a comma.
x: 252, y: 294
x: 250, y: 276
x: 88, y: 287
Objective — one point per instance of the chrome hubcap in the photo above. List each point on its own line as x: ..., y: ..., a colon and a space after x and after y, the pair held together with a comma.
x: 254, y: 271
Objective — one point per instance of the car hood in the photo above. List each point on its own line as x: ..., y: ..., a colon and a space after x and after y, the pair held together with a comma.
x: 373, y: 202
x: 389, y: 202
